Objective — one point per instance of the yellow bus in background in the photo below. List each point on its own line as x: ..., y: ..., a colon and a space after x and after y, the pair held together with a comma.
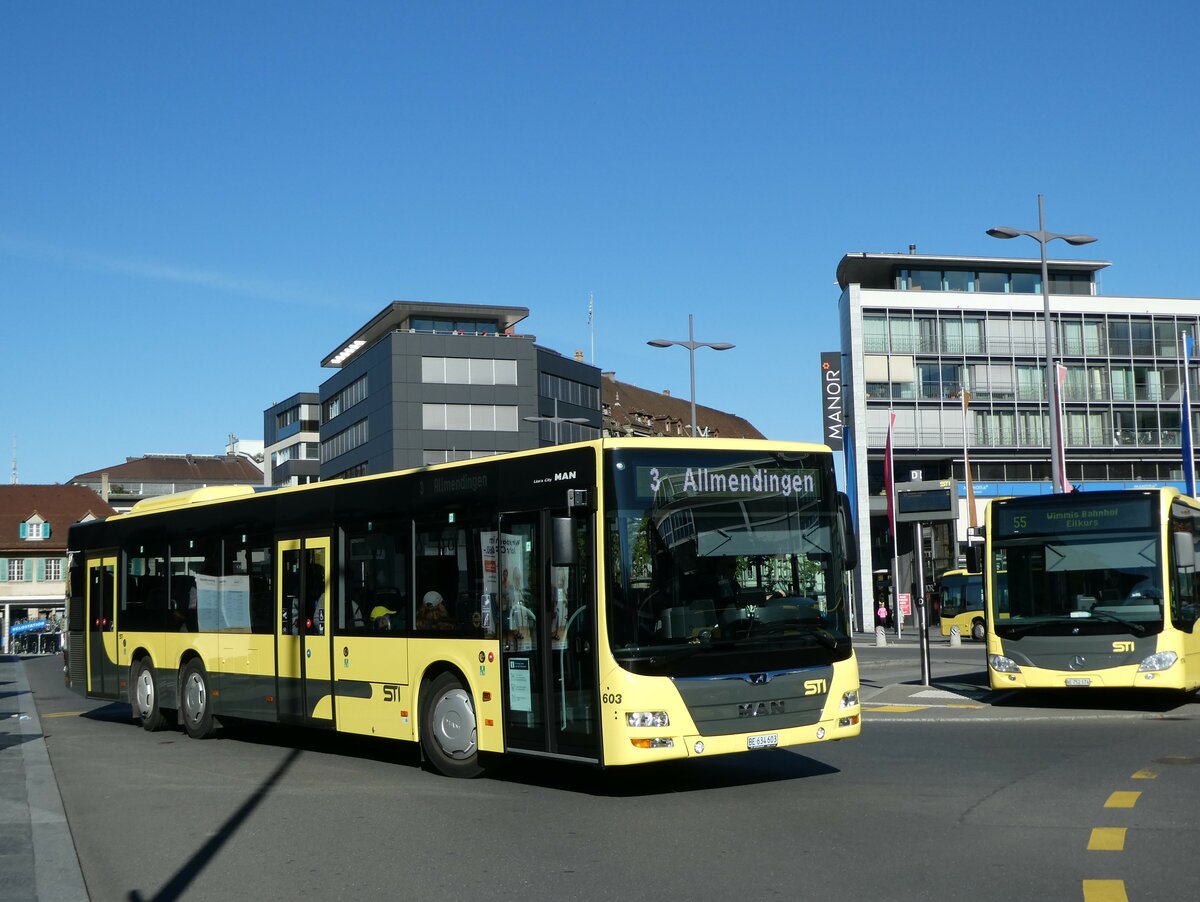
x: 613, y: 602
x: 961, y: 598
x: 1094, y: 590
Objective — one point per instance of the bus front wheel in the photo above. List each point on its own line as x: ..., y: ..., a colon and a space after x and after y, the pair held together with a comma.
x: 978, y: 632
x: 196, y: 701
x: 449, y: 736
x: 145, y: 697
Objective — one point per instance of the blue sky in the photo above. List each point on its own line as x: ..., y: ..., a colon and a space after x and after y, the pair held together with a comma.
x: 198, y: 202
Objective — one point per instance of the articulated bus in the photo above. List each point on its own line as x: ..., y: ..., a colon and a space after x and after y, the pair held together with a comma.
x: 612, y: 602
x: 961, y: 597
x: 1094, y: 589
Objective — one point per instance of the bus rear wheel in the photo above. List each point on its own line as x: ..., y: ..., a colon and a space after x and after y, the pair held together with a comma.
x: 145, y: 697
x: 449, y: 736
x: 978, y: 632
x: 196, y: 701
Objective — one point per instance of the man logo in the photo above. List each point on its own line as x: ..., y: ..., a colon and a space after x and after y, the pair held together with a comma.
x: 757, y: 709
x: 1119, y: 647
x: 816, y: 687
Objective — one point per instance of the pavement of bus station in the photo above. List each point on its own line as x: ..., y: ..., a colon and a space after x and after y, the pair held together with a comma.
x: 37, y: 854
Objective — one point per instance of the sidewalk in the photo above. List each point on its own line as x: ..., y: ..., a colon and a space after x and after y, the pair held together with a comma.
x: 37, y: 854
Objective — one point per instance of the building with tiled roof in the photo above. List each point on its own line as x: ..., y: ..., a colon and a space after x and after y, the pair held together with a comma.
x: 630, y: 411
x: 34, y: 520
x: 123, y: 485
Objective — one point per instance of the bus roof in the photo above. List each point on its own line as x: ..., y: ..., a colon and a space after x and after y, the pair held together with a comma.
x: 216, y: 494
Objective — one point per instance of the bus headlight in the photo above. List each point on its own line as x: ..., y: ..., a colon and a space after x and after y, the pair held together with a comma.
x: 1001, y: 664
x: 1160, y: 661
x: 850, y: 699
x: 647, y: 719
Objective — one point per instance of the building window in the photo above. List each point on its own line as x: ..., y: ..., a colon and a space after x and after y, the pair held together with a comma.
x: 442, y: 455
x: 569, y: 391
x: 345, y: 399
x: 53, y: 569
x: 470, y: 417
x: 346, y: 440
x: 466, y: 327
x: 468, y: 371
x: 16, y: 569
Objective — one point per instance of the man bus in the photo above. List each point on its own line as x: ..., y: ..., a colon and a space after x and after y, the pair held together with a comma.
x: 1094, y: 589
x: 613, y: 602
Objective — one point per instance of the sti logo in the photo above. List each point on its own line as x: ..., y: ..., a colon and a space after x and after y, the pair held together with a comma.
x: 391, y: 692
x: 1119, y: 647
x: 816, y: 687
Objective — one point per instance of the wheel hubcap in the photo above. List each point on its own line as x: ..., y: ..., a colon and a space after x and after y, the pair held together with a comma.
x: 454, y: 724
x: 145, y: 693
x: 194, y: 697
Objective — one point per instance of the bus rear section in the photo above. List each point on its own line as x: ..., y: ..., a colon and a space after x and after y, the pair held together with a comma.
x: 1092, y: 590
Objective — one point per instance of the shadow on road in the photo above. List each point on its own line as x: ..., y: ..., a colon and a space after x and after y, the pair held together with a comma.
x: 695, y: 775
x: 1100, y: 700
x: 178, y: 884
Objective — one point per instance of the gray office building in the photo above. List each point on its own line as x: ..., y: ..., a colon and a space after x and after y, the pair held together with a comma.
x: 424, y: 383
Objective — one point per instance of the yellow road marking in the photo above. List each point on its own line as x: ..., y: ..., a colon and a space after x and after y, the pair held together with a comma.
x: 896, y: 709
x: 1146, y: 775
x: 969, y: 707
x: 1107, y: 839
x: 1104, y: 891
x: 63, y: 714
x: 1122, y: 800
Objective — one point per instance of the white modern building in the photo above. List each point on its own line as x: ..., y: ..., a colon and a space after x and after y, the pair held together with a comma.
x: 919, y: 330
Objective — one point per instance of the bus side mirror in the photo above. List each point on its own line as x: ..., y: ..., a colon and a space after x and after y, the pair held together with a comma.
x: 562, y: 542
x: 1185, y: 550
x: 846, y: 522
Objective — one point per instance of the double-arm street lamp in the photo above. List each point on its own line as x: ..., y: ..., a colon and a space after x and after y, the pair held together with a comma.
x: 556, y: 420
x: 1041, y: 236
x: 691, y: 344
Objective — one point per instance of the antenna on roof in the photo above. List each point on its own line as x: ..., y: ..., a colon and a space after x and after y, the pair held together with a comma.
x: 14, y: 476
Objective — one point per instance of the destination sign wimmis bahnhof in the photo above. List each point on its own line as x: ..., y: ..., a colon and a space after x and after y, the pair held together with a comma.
x: 1132, y: 513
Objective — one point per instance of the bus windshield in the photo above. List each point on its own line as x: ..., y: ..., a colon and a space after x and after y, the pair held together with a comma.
x: 961, y: 592
x: 1072, y: 565
x: 724, y: 562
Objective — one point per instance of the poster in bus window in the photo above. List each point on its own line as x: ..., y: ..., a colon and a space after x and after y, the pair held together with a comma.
x: 519, y: 618
x: 558, y: 627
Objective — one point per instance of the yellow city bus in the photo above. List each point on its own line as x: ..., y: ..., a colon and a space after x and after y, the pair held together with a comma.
x: 1094, y: 589
x: 961, y: 598
x: 613, y: 602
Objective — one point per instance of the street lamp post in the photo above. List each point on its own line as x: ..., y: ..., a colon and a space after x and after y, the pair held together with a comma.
x: 556, y: 420
x: 1041, y: 236
x: 691, y: 344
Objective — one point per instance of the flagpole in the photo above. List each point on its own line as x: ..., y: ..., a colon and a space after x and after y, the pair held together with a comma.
x: 1189, y: 461
x: 592, y: 325
x: 1060, y: 379
x: 966, y: 404
x: 889, y: 482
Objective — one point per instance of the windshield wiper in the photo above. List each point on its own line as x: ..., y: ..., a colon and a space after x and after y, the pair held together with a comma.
x: 1113, y: 618
x: 1011, y: 629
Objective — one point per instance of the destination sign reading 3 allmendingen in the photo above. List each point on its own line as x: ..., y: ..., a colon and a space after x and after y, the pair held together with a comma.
x: 727, y: 482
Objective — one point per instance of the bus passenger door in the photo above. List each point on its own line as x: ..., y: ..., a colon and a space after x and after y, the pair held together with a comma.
x: 547, y: 641
x: 304, y: 681
x: 102, y: 668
